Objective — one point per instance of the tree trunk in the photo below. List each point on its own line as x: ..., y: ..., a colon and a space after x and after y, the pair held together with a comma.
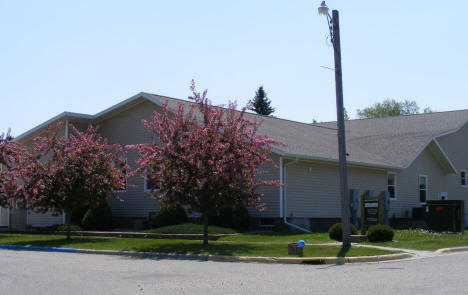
x: 205, y: 229
x: 68, y: 221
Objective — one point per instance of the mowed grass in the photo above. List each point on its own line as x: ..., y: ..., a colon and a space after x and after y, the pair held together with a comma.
x: 229, y: 248
x: 191, y: 228
x: 424, y: 240
x: 278, y: 238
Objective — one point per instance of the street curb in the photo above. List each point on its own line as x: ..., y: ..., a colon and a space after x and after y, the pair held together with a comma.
x: 310, y: 260
x: 37, y: 248
x: 219, y: 258
x: 201, y: 257
x: 451, y: 250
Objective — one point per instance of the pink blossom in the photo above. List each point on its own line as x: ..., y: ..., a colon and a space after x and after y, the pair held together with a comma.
x: 218, y: 149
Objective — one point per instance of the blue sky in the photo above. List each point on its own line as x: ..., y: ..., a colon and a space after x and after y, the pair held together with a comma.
x: 84, y: 56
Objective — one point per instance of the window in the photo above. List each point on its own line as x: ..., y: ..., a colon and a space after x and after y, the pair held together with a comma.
x: 463, y: 178
x: 391, y: 185
x: 150, y: 186
x: 422, y: 188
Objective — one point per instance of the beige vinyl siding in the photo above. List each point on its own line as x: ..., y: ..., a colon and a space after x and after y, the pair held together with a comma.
x: 126, y: 128
x: 29, y: 142
x: 271, y: 194
x: 3, y: 216
x: 455, y: 145
x: 79, y: 126
x: 408, y: 184
x: 46, y: 219
x: 313, y: 189
x: 38, y: 219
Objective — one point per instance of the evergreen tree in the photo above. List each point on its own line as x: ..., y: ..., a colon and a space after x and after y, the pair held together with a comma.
x: 261, y: 103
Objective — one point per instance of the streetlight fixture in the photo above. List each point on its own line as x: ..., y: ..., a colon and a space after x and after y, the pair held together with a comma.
x: 334, y: 26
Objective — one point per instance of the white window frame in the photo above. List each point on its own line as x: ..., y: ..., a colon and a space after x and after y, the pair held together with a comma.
x: 126, y: 179
x: 394, y: 185
x: 426, y: 188
x: 466, y: 180
x: 145, y: 189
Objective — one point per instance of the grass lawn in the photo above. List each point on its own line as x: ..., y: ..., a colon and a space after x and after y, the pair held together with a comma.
x: 278, y: 238
x: 423, y: 240
x: 182, y: 246
x: 190, y: 228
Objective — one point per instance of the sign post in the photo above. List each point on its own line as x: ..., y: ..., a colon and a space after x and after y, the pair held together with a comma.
x: 373, y: 210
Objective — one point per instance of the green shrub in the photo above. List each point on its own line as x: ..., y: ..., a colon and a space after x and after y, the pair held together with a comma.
x: 237, y: 218
x: 380, y: 233
x: 168, y: 216
x: 336, y: 233
x: 99, y: 218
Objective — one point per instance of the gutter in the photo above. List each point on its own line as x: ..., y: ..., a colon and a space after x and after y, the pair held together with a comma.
x: 283, y: 194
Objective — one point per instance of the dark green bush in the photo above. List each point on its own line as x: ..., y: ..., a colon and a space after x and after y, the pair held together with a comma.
x: 237, y: 218
x: 336, y: 233
x: 168, y: 216
x: 380, y: 233
x: 99, y: 218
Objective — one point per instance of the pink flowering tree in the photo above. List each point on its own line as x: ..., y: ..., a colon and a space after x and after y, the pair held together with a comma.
x: 75, y: 171
x: 12, y: 159
x: 207, y: 157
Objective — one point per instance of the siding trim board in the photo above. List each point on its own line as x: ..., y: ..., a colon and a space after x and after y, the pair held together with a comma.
x: 446, y: 157
x: 334, y: 161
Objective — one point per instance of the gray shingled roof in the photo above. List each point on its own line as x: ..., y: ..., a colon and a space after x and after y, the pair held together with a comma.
x: 386, y: 142
x: 391, y: 142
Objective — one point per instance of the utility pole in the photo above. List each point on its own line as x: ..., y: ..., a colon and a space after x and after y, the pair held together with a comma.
x: 334, y: 26
x: 341, y: 132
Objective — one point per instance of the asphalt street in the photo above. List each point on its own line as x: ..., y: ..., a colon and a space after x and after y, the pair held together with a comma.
x: 24, y: 272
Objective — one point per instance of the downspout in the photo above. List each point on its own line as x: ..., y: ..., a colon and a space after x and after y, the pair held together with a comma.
x: 283, y: 193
